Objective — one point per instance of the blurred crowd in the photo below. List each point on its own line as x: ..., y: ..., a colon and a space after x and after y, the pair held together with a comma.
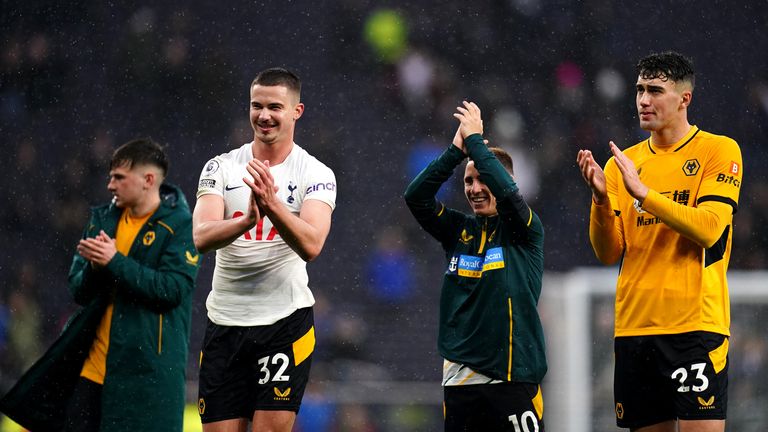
x: 380, y: 84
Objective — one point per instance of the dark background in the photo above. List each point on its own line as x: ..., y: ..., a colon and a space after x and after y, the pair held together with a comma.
x: 78, y: 79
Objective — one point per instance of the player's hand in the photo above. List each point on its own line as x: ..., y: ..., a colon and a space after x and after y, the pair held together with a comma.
x: 593, y: 175
x: 254, y: 212
x: 458, y: 141
x: 470, y: 119
x: 263, y: 188
x: 629, y: 174
x: 98, y: 250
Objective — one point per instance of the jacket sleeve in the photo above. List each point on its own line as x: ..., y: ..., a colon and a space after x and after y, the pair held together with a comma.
x: 86, y: 283
x: 509, y: 202
x: 420, y: 195
x: 162, y: 288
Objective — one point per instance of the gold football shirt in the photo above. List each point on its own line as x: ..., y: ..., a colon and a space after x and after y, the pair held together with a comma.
x: 677, y: 245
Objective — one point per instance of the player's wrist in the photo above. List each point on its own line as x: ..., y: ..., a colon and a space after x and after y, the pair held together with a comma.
x: 599, y: 200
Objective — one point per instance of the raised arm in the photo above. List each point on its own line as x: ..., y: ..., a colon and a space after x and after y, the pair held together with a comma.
x: 510, y: 203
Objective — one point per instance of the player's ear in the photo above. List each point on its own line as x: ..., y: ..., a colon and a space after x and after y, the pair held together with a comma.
x: 150, y: 179
x: 298, y: 110
x: 686, y: 98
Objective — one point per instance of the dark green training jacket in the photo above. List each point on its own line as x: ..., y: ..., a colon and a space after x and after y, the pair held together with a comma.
x: 492, y: 283
x: 144, y: 386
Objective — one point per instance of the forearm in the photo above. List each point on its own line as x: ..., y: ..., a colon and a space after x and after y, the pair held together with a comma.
x: 215, y: 234
x: 492, y: 172
x: 604, y: 234
x: 303, y: 237
x: 421, y: 192
x: 703, y: 225
x: 163, y: 286
x: 80, y: 281
x: 159, y: 289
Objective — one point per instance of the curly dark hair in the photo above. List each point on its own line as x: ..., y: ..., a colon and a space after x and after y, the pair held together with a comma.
x: 668, y: 65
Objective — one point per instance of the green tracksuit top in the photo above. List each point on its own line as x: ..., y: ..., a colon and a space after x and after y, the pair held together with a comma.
x: 492, y: 283
x: 144, y: 387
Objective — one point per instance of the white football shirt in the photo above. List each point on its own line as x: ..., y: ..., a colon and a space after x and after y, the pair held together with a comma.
x: 258, y: 278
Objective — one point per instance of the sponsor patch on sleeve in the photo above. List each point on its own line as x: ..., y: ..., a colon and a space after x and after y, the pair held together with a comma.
x: 211, y: 167
x: 735, y: 168
x: 328, y: 186
x: 207, y: 183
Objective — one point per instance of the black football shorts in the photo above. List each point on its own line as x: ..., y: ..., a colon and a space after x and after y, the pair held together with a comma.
x: 244, y: 369
x: 493, y: 407
x: 667, y: 377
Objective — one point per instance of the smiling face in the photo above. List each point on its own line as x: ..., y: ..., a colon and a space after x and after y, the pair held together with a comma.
x: 661, y: 103
x: 273, y: 113
x: 480, y: 198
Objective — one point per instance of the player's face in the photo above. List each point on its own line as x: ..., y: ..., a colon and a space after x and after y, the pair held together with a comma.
x: 127, y: 186
x: 660, y: 103
x: 480, y: 198
x: 274, y: 111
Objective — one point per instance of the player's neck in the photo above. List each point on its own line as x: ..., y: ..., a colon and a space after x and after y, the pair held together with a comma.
x: 275, y: 153
x: 669, y: 136
x: 146, y: 206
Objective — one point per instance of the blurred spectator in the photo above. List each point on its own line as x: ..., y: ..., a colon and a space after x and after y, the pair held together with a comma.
x: 387, y: 34
x: 355, y: 418
x: 24, y: 338
x: 390, y: 267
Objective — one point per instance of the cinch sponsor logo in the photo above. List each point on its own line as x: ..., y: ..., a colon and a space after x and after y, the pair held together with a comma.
x: 330, y: 186
x: 641, y: 221
x: 728, y: 179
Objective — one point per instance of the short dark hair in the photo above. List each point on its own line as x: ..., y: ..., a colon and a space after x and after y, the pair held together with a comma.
x: 504, y: 158
x: 278, y: 76
x: 668, y: 65
x: 141, y: 151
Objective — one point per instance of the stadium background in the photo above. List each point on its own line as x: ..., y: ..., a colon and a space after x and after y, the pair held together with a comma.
x: 381, y: 80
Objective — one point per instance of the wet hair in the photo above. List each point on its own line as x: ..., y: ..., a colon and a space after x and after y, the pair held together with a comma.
x: 142, y: 151
x: 278, y: 76
x: 668, y: 65
x: 504, y: 158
